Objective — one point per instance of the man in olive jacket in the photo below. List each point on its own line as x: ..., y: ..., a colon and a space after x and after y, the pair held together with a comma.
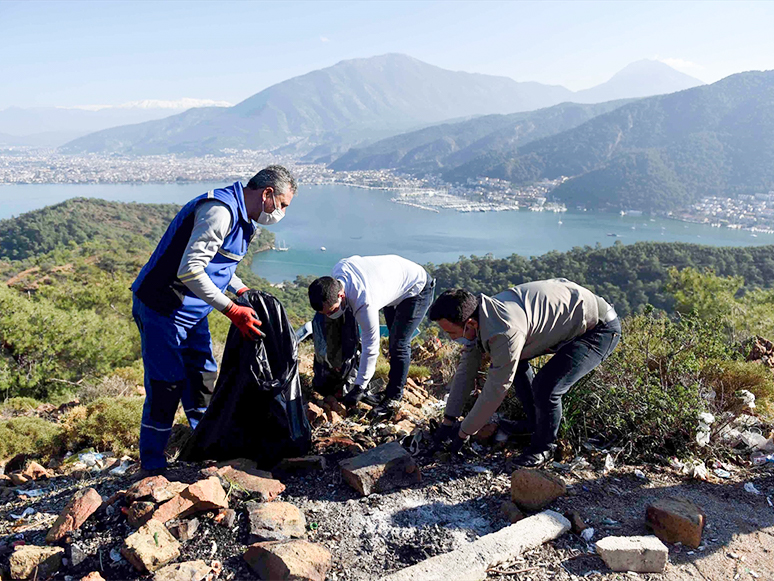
x: 549, y: 316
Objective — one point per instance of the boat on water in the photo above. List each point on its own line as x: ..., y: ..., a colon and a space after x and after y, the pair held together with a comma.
x: 613, y: 234
x: 282, y: 247
x: 560, y: 222
x: 323, y: 249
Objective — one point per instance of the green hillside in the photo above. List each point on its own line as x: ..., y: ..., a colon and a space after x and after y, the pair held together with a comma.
x: 655, y: 154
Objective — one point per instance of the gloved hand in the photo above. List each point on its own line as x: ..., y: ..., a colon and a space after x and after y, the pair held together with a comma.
x: 445, y: 432
x: 245, y: 319
x: 242, y: 291
x: 456, y: 444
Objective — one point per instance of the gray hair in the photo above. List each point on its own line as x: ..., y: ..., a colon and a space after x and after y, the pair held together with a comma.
x: 274, y: 176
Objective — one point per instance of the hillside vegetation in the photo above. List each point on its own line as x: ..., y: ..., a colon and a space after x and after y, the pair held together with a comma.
x: 66, y: 327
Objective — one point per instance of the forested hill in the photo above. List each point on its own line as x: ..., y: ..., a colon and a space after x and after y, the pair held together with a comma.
x: 655, y: 154
x: 629, y: 276
x: 79, y: 220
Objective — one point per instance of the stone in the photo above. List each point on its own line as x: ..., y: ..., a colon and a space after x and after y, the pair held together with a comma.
x: 485, y: 434
x: 35, y: 471
x: 534, y: 489
x: 511, y: 512
x: 274, y: 521
x: 33, y: 562
x: 17, y: 478
x: 296, y: 559
x: 77, y: 555
x: 302, y: 465
x: 207, y: 494
x: 156, y: 487
x: 315, y: 414
x: 676, y: 520
x: 332, y: 416
x: 93, y: 576
x: 247, y: 482
x: 226, y: 517
x: 151, y: 547
x: 380, y: 469
x: 81, y: 506
x: 645, y: 554
x: 335, y: 406
x: 186, y: 571
x: 577, y: 522
x: 139, y: 513
x: 184, y: 530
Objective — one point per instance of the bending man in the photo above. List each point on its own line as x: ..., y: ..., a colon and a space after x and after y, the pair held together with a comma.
x: 185, y: 278
x: 550, y: 316
x: 364, y: 285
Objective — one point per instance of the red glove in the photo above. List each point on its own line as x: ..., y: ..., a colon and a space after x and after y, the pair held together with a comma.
x: 242, y: 291
x: 245, y: 319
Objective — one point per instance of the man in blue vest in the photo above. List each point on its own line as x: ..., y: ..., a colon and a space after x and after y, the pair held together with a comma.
x: 185, y: 278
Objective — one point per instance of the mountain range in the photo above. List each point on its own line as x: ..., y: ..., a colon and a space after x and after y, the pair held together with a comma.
x: 654, y: 154
x: 323, y: 113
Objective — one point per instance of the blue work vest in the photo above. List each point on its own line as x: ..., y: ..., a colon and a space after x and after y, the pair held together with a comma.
x: 157, y: 285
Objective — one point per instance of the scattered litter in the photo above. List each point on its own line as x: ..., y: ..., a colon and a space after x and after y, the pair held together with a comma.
x: 587, y: 534
x: 115, y: 554
x: 746, y: 398
x: 703, y: 429
x: 720, y: 473
x: 676, y: 464
x: 214, y: 549
x: 758, y: 458
x: 695, y: 469
x: 122, y: 468
x: 27, y: 512
x: 593, y: 572
x: 91, y: 459
x: 609, y: 521
x: 754, y: 575
x: 750, y: 487
x: 479, y: 469
x: 579, y: 463
x: 609, y: 464
x: 31, y: 493
x: 640, y: 474
x: 768, y: 499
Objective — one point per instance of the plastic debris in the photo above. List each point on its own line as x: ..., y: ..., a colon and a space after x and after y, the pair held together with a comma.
x: 609, y: 464
x: 720, y: 473
x: 676, y: 464
x: 750, y: 487
x: 121, y: 469
x: 91, y: 459
x: 31, y: 493
x: 115, y: 554
x: 25, y: 513
x: 579, y: 463
x: 695, y: 469
x: 746, y: 398
x: 640, y: 474
x: 587, y: 534
x: 703, y: 429
x: 609, y: 521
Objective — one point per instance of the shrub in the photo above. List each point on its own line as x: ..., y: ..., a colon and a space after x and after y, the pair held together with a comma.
x: 107, y: 424
x: 19, y: 404
x: 29, y: 436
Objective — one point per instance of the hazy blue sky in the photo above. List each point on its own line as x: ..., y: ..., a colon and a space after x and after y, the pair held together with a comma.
x: 80, y: 53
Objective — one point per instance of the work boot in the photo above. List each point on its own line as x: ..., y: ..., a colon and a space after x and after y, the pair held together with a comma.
x: 357, y: 394
x: 530, y: 459
x: 388, y: 407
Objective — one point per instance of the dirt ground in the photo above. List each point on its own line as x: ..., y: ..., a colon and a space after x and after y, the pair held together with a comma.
x: 455, y: 503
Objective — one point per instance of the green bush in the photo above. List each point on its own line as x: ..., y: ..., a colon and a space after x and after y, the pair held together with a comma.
x: 33, y: 436
x: 19, y: 404
x: 107, y: 424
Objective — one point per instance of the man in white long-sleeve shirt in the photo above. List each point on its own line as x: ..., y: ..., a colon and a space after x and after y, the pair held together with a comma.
x: 184, y: 280
x: 364, y: 285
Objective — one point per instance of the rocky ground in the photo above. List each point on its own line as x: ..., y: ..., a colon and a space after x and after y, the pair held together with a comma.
x: 215, y: 512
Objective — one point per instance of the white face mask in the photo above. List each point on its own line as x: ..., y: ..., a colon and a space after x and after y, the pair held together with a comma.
x: 464, y: 341
x: 339, y: 312
x: 268, y: 219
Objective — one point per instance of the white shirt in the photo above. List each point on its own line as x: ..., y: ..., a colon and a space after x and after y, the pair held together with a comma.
x: 370, y: 284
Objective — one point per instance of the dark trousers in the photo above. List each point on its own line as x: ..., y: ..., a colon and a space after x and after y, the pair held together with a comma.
x: 402, y: 320
x: 541, y: 394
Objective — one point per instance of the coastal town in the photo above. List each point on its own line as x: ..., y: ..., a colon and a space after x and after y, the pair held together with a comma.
x: 18, y: 165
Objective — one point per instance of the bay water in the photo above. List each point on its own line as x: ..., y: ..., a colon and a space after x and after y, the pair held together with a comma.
x: 347, y: 221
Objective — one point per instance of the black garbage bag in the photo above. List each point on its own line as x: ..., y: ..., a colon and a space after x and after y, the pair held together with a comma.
x: 336, y: 353
x: 257, y: 410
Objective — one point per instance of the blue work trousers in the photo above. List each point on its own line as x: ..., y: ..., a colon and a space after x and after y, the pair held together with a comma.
x: 402, y: 320
x: 541, y: 393
x: 179, y: 366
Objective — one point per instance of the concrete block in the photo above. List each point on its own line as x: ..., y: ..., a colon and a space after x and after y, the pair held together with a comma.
x: 645, y: 554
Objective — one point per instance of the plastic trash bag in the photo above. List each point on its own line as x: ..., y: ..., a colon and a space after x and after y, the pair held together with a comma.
x: 336, y: 353
x: 257, y: 410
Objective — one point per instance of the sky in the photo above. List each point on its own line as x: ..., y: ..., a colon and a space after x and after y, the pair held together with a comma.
x: 69, y: 54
